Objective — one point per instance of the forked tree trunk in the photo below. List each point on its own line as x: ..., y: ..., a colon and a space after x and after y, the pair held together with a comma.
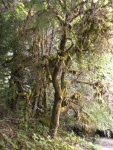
x: 58, y: 96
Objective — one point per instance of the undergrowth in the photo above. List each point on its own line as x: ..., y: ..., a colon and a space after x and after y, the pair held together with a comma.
x: 34, y: 136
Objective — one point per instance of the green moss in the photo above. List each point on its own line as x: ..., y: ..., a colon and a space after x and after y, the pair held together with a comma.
x: 45, y: 121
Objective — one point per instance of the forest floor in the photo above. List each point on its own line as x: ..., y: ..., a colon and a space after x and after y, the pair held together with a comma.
x: 16, y: 135
x: 107, y: 144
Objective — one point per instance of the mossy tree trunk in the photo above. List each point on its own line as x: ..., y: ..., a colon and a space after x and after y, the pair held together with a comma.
x: 16, y: 83
x: 58, y: 95
x: 57, y: 102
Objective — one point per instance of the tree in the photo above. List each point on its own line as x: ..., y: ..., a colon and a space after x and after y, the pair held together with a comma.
x: 82, y: 27
x: 55, y: 44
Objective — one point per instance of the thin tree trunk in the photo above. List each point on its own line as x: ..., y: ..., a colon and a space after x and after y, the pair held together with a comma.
x: 58, y: 96
x: 55, y: 116
x: 57, y: 102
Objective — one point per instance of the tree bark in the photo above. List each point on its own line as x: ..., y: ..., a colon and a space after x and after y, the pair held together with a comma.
x: 55, y: 116
x: 58, y: 96
x: 57, y: 102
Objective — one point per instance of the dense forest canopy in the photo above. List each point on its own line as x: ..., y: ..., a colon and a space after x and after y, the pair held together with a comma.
x: 56, y: 62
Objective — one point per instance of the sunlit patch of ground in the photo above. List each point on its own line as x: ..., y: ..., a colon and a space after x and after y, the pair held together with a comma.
x: 107, y: 144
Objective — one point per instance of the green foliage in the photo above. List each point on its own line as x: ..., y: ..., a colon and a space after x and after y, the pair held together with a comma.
x: 38, y: 38
x: 38, y: 138
x: 98, y: 117
x: 20, y: 12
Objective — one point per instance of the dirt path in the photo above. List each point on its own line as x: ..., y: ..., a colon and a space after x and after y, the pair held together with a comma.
x: 107, y: 144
